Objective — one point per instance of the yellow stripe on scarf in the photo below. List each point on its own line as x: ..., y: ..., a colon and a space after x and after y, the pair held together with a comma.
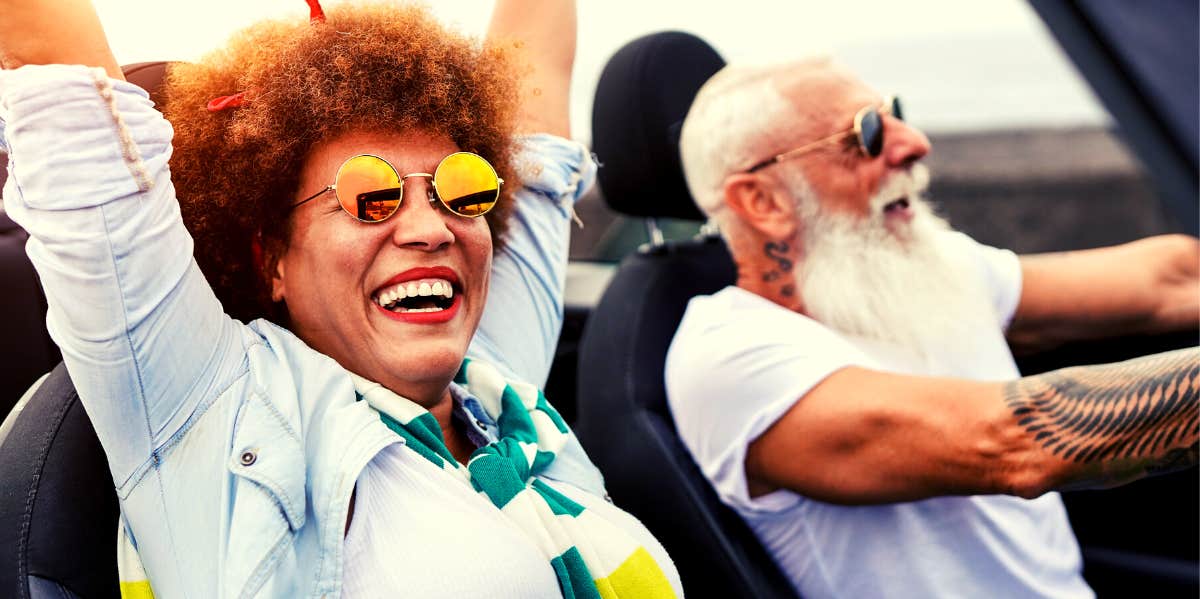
x: 638, y: 576
x: 136, y: 590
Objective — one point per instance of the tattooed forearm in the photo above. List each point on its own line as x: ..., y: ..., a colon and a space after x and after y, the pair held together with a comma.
x: 1116, y: 422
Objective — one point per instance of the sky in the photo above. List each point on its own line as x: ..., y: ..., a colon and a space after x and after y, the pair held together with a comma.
x: 958, y: 65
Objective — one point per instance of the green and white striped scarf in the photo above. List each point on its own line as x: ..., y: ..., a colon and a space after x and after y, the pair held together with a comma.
x: 592, y: 557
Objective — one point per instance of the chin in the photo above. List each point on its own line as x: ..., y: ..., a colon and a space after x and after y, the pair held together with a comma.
x: 428, y: 362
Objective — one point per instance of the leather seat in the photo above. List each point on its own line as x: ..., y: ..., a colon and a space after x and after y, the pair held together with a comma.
x: 623, y: 420
x: 58, y: 509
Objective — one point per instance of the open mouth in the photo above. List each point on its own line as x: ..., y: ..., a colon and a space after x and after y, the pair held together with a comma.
x: 894, y: 206
x: 417, y: 296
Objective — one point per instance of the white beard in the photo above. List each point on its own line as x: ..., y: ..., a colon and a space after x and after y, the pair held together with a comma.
x: 896, y: 285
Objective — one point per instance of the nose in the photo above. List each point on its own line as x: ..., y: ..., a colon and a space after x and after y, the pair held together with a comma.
x: 419, y: 223
x: 904, y: 144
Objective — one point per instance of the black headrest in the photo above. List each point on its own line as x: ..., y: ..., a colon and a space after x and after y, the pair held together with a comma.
x: 643, y: 94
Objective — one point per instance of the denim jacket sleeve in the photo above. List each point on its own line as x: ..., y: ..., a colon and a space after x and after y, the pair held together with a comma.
x: 144, y: 339
x: 523, y: 316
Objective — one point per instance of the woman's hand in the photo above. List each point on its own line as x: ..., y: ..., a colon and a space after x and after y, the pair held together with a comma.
x: 53, y: 32
x: 543, y: 34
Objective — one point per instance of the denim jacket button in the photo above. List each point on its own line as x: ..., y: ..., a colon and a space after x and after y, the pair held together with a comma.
x: 248, y: 458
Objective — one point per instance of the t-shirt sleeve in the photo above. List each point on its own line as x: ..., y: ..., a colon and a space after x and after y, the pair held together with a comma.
x: 731, y: 374
x: 999, y: 271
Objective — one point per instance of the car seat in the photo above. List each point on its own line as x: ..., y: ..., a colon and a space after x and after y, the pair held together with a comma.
x: 58, y: 509
x: 623, y: 421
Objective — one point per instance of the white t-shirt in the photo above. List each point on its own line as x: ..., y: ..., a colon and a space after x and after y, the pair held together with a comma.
x: 739, y: 361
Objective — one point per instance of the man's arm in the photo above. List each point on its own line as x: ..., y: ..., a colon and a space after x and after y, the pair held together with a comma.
x: 862, y: 437
x: 1147, y: 286
x: 1112, y: 424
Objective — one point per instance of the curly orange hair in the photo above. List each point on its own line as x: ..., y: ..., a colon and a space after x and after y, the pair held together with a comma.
x: 375, y: 67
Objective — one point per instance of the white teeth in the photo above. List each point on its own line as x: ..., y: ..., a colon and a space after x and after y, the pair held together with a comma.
x: 420, y: 288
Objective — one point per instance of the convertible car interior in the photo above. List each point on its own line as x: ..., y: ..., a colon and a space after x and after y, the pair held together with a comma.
x: 58, y: 509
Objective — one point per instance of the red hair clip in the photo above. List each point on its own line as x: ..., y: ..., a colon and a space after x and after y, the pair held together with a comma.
x: 315, y: 13
x: 223, y: 102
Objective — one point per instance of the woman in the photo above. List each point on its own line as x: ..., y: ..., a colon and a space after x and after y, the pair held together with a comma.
x: 333, y: 174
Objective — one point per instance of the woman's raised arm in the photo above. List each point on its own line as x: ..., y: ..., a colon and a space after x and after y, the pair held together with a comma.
x: 543, y: 31
x: 53, y: 32
x: 143, y: 337
x: 524, y: 312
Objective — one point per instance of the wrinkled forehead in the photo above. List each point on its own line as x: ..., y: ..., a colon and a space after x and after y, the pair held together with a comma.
x: 825, y: 96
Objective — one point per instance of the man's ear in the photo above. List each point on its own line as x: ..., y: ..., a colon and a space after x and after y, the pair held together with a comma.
x: 761, y: 205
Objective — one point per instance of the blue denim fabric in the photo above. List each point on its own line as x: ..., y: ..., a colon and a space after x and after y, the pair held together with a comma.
x: 233, y: 447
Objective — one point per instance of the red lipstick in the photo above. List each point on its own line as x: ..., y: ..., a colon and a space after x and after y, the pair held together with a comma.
x: 412, y: 274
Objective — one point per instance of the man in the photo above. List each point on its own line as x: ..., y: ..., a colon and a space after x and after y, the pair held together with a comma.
x: 853, y: 397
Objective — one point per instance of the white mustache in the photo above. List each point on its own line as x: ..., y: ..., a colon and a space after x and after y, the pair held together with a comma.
x: 910, y: 183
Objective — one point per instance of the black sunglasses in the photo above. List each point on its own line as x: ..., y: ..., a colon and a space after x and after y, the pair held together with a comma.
x: 868, y: 128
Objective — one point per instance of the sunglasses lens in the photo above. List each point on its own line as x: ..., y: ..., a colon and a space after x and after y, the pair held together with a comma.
x: 896, y: 111
x: 871, y: 133
x: 368, y: 188
x: 467, y: 184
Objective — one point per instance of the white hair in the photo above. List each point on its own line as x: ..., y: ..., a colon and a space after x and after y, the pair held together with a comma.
x: 735, y: 116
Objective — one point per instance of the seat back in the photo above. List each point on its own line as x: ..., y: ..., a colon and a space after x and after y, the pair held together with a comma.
x: 58, y: 509
x: 623, y: 417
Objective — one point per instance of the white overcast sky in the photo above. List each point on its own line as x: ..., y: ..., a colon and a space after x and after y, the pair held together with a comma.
x: 959, y: 64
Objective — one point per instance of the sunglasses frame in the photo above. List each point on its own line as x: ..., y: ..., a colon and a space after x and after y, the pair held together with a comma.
x: 434, y: 196
x: 889, y: 106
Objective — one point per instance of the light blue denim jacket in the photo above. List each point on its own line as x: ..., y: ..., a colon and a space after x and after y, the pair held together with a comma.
x: 180, y: 394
